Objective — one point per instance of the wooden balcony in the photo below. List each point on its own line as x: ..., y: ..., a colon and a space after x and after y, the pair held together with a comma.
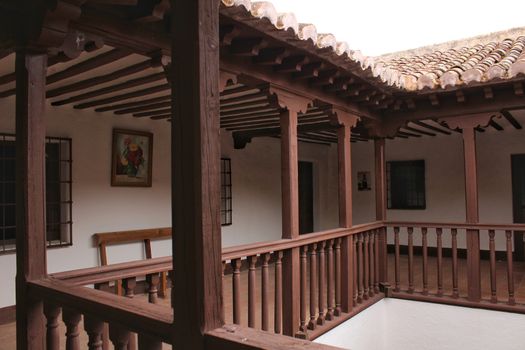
x: 253, y: 285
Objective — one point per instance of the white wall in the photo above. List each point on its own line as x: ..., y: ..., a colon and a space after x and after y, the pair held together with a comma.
x: 396, y: 324
x: 98, y: 207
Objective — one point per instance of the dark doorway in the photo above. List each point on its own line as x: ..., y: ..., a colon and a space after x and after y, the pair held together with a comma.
x: 306, y: 197
x: 518, y: 199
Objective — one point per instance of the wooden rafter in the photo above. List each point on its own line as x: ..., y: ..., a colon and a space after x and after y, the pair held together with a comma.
x: 133, y: 104
x: 122, y: 97
x: 510, y: 118
x: 430, y: 127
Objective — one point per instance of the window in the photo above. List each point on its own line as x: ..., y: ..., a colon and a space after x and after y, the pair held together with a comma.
x: 58, y: 192
x: 406, y: 184
x: 226, y: 192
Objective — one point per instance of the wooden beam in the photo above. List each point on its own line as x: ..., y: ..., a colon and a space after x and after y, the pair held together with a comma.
x: 510, y: 118
x: 30, y: 196
x: 133, y: 104
x: 149, y: 107
x: 87, y: 65
x: 409, y: 128
x: 430, y: 127
x: 113, y: 88
x: 5, y: 53
x: 101, y: 79
x: 495, y: 125
x: 197, y: 290
x: 114, y: 2
x: 152, y: 113
x: 139, y: 93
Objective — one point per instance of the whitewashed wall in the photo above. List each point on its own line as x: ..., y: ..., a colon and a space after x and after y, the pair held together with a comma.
x: 98, y: 207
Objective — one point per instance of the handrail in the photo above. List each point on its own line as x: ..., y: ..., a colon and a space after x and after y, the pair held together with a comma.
x: 121, y: 271
x: 154, y: 320
x: 462, y: 225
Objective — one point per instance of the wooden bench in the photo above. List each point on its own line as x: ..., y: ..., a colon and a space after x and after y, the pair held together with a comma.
x: 102, y: 240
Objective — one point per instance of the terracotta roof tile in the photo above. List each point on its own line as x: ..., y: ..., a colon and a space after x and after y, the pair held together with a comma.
x: 494, y: 56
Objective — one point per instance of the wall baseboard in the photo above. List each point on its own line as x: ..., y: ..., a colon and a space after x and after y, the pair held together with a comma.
x: 7, y: 314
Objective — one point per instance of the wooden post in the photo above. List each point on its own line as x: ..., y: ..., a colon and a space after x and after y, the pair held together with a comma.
x: 293, y: 105
x: 30, y: 196
x: 380, y: 184
x: 290, y: 222
x: 197, y: 284
x: 468, y: 124
x: 344, y: 152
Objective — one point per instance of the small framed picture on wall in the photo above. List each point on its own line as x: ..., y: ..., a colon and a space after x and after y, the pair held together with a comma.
x: 363, y: 181
x: 131, y: 161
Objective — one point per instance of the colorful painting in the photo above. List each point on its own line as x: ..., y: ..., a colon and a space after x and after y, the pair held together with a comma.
x: 132, y: 158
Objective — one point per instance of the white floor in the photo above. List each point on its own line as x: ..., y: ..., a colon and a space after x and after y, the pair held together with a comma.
x: 396, y: 324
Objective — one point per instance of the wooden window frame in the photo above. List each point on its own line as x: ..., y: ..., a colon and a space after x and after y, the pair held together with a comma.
x: 226, y: 192
x: 418, y: 190
x: 62, y: 227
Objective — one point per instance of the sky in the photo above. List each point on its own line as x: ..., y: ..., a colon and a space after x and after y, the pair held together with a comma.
x: 383, y: 26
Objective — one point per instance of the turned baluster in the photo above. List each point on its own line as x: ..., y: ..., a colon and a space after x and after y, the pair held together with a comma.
x: 366, y: 265
x: 278, y: 311
x: 510, y: 270
x: 52, y: 312
x: 313, y: 286
x: 376, y: 261
x: 236, y: 290
x: 104, y: 287
x: 265, y: 299
x: 330, y: 281
x: 354, y: 268
x: 71, y: 318
x: 455, y: 290
x: 396, y: 262
x: 128, y: 285
x: 492, y: 249
x: 424, y: 245
x: 337, y: 311
x: 303, y: 280
x: 119, y: 336
x: 153, y: 283
x: 439, y: 238
x: 371, y: 265
x: 322, y: 279
x: 410, y: 231
x: 94, y: 328
x: 360, y: 277
x: 252, y: 261
x: 149, y: 343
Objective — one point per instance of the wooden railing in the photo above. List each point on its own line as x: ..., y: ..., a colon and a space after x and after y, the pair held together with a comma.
x: 323, y: 276
x: 417, y: 245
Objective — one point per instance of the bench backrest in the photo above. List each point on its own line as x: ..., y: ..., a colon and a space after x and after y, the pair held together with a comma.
x: 102, y: 240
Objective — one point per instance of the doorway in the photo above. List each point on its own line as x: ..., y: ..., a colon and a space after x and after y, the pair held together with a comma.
x: 306, y: 197
x: 518, y: 202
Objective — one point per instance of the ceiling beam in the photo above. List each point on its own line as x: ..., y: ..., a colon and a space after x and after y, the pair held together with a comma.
x: 510, y: 118
x: 430, y: 127
x: 133, y: 104
x: 126, y: 96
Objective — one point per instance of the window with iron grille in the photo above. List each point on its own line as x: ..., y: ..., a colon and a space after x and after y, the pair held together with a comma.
x: 406, y: 184
x: 58, y: 192
x: 226, y: 192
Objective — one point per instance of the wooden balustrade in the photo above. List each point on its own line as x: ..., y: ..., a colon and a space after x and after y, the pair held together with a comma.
x: 446, y: 234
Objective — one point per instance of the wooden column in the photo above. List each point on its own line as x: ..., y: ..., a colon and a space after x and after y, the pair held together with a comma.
x: 197, y: 284
x: 290, y: 205
x: 30, y: 196
x: 380, y: 184
x: 344, y: 151
x: 468, y: 124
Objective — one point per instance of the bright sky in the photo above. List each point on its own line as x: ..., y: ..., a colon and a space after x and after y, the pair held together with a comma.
x: 382, y: 26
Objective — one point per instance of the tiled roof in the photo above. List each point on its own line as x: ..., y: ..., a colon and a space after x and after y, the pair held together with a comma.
x: 481, y: 59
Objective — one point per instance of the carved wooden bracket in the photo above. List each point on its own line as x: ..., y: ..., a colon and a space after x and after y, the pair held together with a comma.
x: 43, y: 26
x: 226, y: 77
x: 469, y: 121
x: 383, y: 128
x: 343, y: 118
x: 291, y: 101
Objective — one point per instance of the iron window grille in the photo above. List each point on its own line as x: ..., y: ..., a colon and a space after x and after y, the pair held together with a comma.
x: 406, y: 184
x: 58, y: 192
x: 226, y: 192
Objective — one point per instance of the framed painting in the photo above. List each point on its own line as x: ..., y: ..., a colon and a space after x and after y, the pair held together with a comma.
x: 132, y: 155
